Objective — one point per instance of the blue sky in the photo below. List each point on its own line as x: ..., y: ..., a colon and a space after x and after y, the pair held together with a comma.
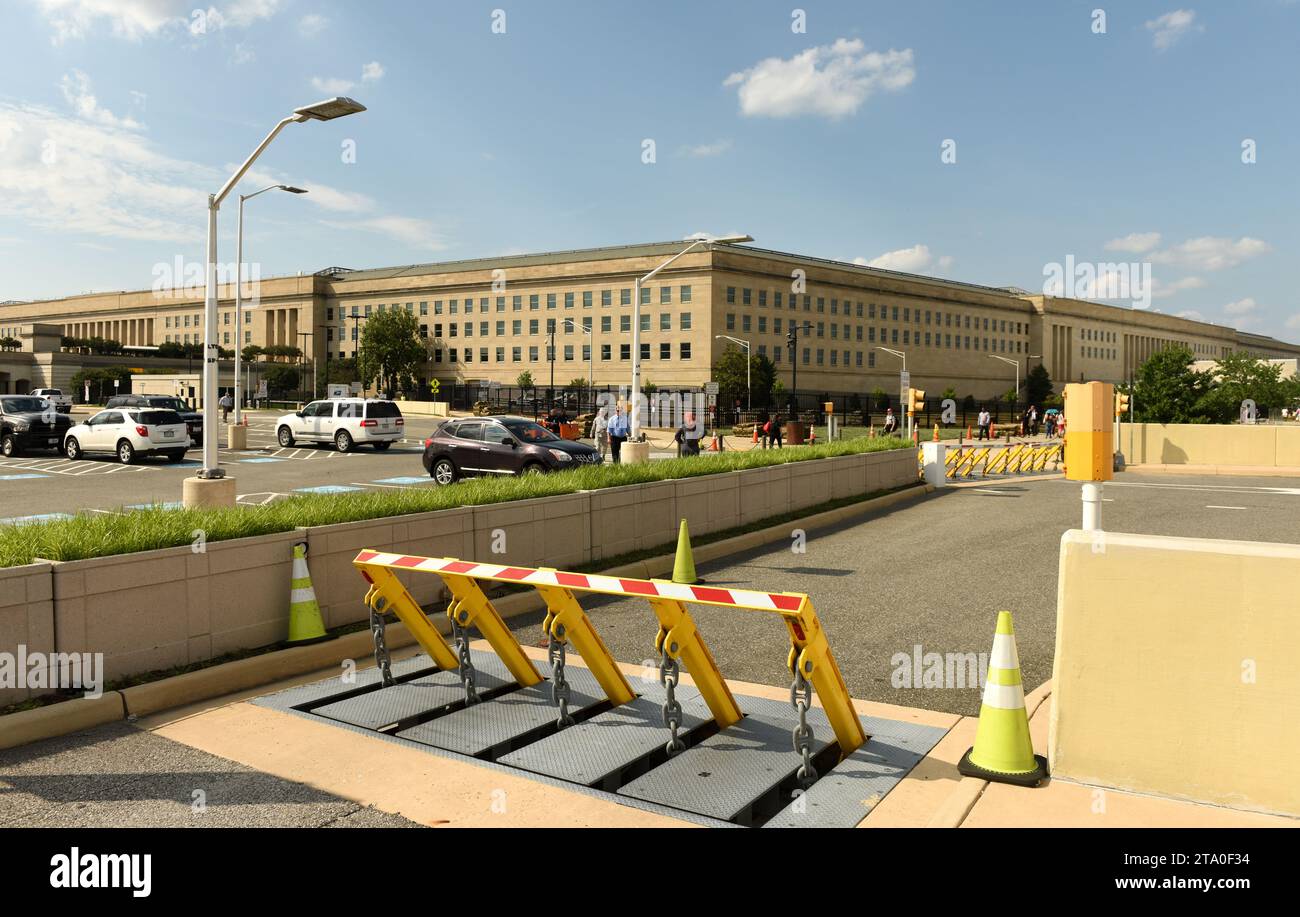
x: 117, y: 117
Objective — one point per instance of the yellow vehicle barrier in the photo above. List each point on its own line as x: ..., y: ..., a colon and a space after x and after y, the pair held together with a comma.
x: 809, y: 658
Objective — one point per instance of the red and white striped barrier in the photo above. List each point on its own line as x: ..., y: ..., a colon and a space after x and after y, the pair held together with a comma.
x: 786, y: 603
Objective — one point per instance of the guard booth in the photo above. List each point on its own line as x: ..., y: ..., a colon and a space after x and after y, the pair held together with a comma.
x: 649, y: 739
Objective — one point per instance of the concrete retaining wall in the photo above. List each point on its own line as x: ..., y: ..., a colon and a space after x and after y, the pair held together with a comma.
x: 159, y: 609
x: 1265, y: 445
x: 1175, y: 668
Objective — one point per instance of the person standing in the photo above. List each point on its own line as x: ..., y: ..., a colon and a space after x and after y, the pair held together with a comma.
x: 764, y: 428
x: 982, y: 421
x: 1033, y: 420
x: 687, y: 437
x: 226, y: 403
x: 618, y: 432
x: 600, y: 432
x: 776, y: 430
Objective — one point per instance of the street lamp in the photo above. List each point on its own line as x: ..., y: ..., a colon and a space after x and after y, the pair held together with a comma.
x: 749, y: 391
x: 901, y: 387
x: 586, y: 329
x: 239, y: 302
x: 327, y: 110
x: 1016, y: 364
x: 634, y: 432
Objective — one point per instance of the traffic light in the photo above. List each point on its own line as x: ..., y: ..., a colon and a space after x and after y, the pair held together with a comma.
x: 1121, y: 403
x: 915, y: 400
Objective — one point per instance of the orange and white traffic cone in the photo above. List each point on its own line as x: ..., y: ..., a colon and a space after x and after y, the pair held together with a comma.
x: 936, y: 433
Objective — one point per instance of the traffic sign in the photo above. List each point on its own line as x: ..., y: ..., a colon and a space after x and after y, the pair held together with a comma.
x: 711, y: 388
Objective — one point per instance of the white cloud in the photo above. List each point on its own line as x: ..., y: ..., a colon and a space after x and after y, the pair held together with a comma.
x: 702, y: 150
x: 138, y: 19
x: 75, y: 87
x: 413, y: 231
x: 322, y: 196
x: 1211, y: 253
x: 242, y: 54
x: 1162, y: 290
x: 1240, y: 307
x: 1190, y: 314
x: 312, y: 24
x: 332, y: 86
x: 1293, y: 323
x: 908, y: 260
x: 830, y: 81
x: 1170, y: 27
x: 1135, y: 242
x: 371, y: 72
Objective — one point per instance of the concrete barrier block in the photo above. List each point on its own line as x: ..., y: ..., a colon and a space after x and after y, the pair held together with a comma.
x: 26, y: 616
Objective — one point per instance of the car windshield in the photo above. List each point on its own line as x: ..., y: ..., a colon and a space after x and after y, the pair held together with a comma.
x: 23, y: 405
x: 171, y: 404
x: 529, y: 432
x: 159, y: 418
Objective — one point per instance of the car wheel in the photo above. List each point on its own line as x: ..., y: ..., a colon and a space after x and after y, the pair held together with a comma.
x: 72, y: 448
x: 380, y: 447
x: 125, y: 452
x: 284, y: 437
x: 176, y: 456
x: 343, y: 441
x: 532, y: 468
x: 444, y: 472
x: 9, y: 445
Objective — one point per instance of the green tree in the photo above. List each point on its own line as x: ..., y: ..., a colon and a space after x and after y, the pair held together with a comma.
x: 1038, y: 385
x: 392, y: 351
x: 729, y: 373
x: 250, y: 353
x: 10, y: 343
x: 1168, y: 390
x: 949, y: 392
x: 525, y: 381
x: 577, y: 385
x: 1240, y: 376
x: 281, y: 378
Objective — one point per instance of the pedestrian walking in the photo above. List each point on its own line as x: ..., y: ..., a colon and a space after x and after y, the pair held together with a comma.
x: 775, y: 424
x: 618, y: 431
x: 764, y: 428
x: 226, y: 403
x: 600, y: 431
x: 983, y: 421
x: 1033, y: 420
x: 688, y: 436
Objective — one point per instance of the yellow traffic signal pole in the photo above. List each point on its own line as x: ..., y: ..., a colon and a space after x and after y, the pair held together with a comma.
x: 1089, y: 451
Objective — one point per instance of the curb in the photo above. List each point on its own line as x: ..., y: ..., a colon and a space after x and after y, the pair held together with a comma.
x: 243, y: 674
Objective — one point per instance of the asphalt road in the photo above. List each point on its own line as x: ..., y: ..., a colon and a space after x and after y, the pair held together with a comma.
x: 935, y: 573
x: 123, y: 777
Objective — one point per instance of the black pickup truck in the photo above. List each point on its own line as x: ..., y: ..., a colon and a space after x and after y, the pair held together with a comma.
x: 193, y: 419
x: 28, y: 422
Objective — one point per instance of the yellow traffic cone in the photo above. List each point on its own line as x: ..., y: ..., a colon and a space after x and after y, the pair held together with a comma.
x: 305, y: 624
x: 1003, y: 751
x: 684, y: 563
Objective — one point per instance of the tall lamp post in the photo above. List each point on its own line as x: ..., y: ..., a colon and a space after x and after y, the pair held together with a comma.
x: 239, y: 290
x: 1016, y: 364
x: 302, y: 355
x: 749, y: 389
x: 194, y: 488
x: 591, y: 346
x: 902, y: 394
x: 634, y: 432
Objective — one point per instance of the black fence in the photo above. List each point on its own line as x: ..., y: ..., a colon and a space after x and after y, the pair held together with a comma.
x: 849, y: 409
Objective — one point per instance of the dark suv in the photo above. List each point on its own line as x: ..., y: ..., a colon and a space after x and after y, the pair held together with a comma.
x: 193, y: 419
x: 500, y: 445
x: 27, y: 422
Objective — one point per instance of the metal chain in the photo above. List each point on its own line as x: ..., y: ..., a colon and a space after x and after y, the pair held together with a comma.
x: 467, y: 674
x: 560, y: 691
x: 801, y: 698
x: 377, y: 625
x: 669, y: 672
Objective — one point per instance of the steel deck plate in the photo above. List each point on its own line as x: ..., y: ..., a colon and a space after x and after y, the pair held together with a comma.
x: 301, y: 695
x: 385, y: 706
x: 495, y: 722
x: 848, y: 793
x: 601, y: 747
x: 729, y: 771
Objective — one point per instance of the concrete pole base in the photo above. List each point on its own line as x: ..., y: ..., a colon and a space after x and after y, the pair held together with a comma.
x: 202, y: 493
x: 236, y: 436
x: 634, y: 453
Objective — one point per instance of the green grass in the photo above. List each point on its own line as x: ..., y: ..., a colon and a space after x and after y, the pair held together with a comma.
x: 101, y: 535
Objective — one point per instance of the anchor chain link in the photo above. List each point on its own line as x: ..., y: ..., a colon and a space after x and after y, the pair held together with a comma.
x: 801, y: 691
x: 560, y: 691
x: 377, y: 626
x: 465, y: 661
x: 669, y: 674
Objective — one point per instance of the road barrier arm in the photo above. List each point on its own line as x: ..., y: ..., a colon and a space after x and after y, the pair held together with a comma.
x: 387, y: 593
x: 811, y: 653
x: 565, y: 620
x: 470, y: 607
x: 679, y: 638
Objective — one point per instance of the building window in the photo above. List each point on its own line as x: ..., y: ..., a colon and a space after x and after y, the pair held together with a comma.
x: 532, y: 326
x: 516, y: 354
x: 625, y: 324
x: 746, y: 296
x: 604, y: 351
x: 665, y: 321
x: 745, y: 322
x: 645, y: 296
x: 684, y: 351
x: 550, y: 300
x: 568, y: 300
x: 606, y: 323
x: 731, y: 295
x: 532, y: 354
x: 568, y: 353
x: 625, y: 296
x: 684, y: 321
x: 684, y: 293
x: 625, y: 351
x: 731, y: 321
x: 501, y: 355
x: 665, y: 296
x: 645, y: 351
x: 586, y: 299
x: 665, y: 351
x: 501, y: 304
x: 606, y: 297
x: 453, y: 355
x: 534, y: 302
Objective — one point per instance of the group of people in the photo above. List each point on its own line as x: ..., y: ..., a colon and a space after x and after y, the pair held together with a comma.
x: 610, y: 431
x: 1052, y: 422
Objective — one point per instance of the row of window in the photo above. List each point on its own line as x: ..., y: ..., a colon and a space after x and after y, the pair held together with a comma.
x: 516, y: 301
x: 567, y: 353
x: 198, y: 338
x: 909, y: 314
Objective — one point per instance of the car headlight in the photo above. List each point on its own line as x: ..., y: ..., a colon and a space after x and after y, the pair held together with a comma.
x: 560, y: 455
x: 21, y: 426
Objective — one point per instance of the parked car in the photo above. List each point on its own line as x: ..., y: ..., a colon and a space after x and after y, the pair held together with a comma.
x: 129, y: 433
x: 29, y: 422
x: 193, y: 419
x: 500, y: 445
x: 62, y: 403
x: 345, y: 422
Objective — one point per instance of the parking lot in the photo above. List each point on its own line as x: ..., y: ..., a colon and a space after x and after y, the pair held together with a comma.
x: 44, y: 484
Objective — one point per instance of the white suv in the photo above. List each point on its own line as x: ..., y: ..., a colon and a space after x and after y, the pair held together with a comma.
x: 345, y: 422
x: 129, y: 433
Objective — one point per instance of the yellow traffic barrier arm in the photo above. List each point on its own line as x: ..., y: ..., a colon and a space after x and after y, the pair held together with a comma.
x: 679, y: 639
x: 567, y: 622
x: 387, y: 593
x: 470, y: 607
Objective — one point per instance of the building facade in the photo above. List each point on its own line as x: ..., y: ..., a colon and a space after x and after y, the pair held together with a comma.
x: 490, y: 319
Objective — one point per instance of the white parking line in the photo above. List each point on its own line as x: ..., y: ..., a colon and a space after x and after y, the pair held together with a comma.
x: 1210, y: 506
x: 1213, y: 488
